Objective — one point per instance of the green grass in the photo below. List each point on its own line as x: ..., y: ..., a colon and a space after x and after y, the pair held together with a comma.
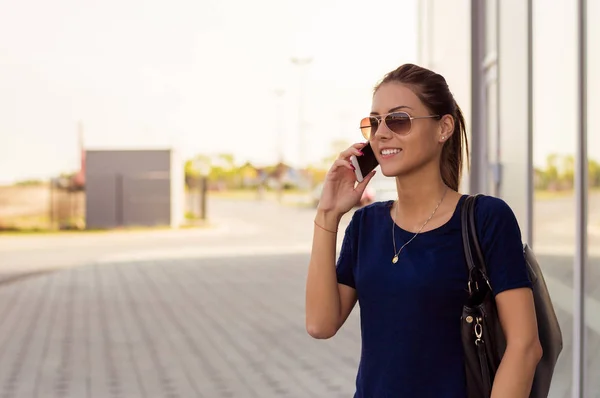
x: 234, y: 194
x: 43, y: 228
x: 249, y: 194
x: 549, y: 195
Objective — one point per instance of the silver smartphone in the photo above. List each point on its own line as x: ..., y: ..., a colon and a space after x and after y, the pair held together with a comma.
x: 364, y: 164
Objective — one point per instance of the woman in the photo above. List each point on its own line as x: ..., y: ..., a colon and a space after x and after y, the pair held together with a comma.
x: 403, y: 260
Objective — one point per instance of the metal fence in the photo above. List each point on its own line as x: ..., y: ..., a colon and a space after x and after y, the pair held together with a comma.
x: 43, y: 206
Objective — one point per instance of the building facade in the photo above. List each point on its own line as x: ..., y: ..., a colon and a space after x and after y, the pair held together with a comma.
x: 133, y: 188
x: 527, y: 75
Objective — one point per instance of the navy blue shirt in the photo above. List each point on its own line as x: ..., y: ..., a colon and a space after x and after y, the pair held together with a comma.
x: 410, y: 311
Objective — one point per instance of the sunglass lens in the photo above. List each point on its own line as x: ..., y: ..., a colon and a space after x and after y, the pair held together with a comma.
x: 398, y: 122
x: 368, y: 126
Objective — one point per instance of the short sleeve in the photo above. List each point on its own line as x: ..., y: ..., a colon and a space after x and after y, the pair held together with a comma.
x: 347, y: 256
x: 501, y: 243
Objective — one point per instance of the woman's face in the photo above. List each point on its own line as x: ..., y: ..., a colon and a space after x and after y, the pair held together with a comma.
x: 401, y: 153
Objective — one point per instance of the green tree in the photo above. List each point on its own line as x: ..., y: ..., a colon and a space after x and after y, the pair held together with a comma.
x: 192, y: 166
x: 224, y: 171
x: 594, y: 173
x: 551, y: 166
x: 568, y: 172
x: 551, y: 173
x: 226, y: 160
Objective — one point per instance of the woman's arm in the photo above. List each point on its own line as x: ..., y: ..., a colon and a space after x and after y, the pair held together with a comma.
x: 328, y: 303
x: 500, y: 239
x: 516, y: 311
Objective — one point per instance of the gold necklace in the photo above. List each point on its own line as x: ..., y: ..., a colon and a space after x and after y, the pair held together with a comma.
x: 397, y: 254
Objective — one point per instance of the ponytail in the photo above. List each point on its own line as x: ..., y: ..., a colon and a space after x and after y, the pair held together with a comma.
x: 451, y: 163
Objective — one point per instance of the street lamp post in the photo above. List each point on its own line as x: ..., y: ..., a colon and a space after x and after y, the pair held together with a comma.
x: 279, y: 93
x: 302, y: 64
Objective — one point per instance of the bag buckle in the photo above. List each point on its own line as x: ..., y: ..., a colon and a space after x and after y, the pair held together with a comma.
x: 478, y: 331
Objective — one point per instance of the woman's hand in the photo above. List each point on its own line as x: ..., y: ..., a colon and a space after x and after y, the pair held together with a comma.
x: 339, y: 193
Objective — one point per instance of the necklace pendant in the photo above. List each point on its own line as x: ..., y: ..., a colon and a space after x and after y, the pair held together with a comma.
x: 395, y: 259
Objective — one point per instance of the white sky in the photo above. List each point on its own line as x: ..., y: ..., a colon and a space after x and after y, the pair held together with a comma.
x: 197, y: 75
x: 200, y: 76
x: 555, y: 113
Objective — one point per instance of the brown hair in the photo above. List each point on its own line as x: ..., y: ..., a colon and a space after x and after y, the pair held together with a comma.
x: 433, y: 91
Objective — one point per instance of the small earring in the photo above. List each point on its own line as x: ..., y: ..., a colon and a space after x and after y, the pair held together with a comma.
x: 443, y: 138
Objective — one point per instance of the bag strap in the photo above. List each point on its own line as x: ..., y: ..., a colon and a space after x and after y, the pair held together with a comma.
x: 471, y: 244
x: 464, y: 222
x: 474, y: 237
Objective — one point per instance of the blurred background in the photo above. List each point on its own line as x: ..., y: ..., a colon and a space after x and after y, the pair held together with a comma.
x: 160, y: 164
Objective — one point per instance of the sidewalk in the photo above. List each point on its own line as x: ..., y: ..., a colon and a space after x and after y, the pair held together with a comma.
x: 185, y: 328
x: 186, y: 313
x: 227, y: 326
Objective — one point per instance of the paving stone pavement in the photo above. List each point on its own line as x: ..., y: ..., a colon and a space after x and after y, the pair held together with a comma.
x: 187, y: 328
x: 198, y: 327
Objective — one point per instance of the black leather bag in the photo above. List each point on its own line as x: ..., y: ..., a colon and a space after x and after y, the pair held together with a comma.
x: 482, y: 336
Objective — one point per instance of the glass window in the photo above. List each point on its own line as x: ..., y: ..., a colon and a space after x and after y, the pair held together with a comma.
x: 508, y: 135
x: 493, y: 142
x: 593, y: 140
x: 554, y: 140
x: 491, y: 26
x: 490, y: 68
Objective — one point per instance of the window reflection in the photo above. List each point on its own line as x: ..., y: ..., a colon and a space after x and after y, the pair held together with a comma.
x: 554, y: 139
x: 593, y: 140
